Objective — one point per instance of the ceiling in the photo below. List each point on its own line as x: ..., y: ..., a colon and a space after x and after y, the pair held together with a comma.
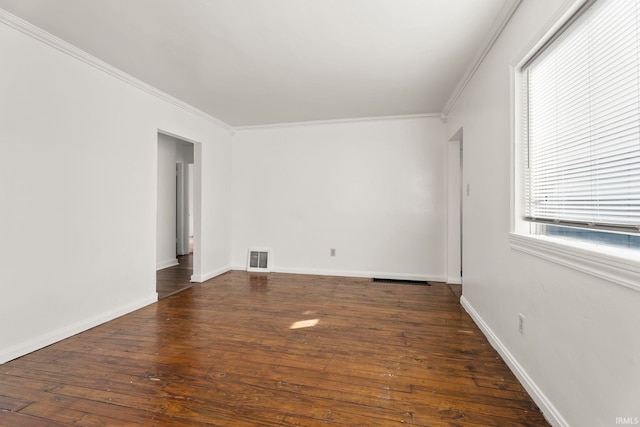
x: 256, y: 62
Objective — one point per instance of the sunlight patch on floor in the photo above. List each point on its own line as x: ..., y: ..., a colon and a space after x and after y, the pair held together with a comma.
x: 304, y: 324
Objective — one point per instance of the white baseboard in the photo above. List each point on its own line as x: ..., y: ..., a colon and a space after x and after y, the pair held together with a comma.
x: 199, y: 278
x: 166, y: 264
x: 546, y: 406
x: 454, y: 280
x: 349, y: 273
x: 66, y: 332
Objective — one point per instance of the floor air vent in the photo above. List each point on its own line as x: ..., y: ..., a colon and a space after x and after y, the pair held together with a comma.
x: 403, y: 281
x: 259, y: 260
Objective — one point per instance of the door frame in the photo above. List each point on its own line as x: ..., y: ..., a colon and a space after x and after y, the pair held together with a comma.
x: 196, y: 203
x: 455, y: 208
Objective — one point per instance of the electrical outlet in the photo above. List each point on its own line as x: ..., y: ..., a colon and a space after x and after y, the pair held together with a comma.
x: 521, y: 319
x: 333, y: 252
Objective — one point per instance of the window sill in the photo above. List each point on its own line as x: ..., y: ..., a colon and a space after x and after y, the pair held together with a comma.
x: 619, y: 266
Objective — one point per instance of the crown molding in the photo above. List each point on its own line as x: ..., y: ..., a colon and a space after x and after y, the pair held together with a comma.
x: 39, y: 34
x: 500, y: 23
x: 73, y: 51
x: 339, y: 121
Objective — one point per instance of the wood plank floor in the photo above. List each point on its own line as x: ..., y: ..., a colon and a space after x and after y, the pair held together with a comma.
x: 222, y: 353
x: 175, y: 279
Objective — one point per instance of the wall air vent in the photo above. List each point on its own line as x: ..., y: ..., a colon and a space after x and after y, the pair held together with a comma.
x: 403, y: 281
x: 259, y: 260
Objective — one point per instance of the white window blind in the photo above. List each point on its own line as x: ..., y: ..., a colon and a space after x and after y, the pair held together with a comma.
x: 582, y: 122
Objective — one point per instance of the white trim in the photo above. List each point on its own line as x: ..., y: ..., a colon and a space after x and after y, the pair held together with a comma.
x: 338, y: 121
x: 166, y: 264
x: 612, y: 264
x: 562, y: 15
x: 549, y: 411
x: 180, y: 138
x: 350, y: 273
x: 500, y: 23
x: 67, y: 48
x: 204, y: 277
x: 454, y: 280
x: 66, y: 332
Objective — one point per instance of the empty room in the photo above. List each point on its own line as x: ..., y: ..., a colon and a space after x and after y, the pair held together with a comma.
x: 320, y: 212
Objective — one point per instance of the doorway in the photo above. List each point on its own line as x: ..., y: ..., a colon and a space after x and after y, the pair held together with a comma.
x: 455, y: 192
x: 174, y: 215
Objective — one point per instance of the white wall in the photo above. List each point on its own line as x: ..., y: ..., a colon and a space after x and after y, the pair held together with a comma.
x: 184, y: 151
x: 190, y: 196
x: 184, y: 190
x: 373, y: 190
x: 580, y: 354
x: 78, y: 221
x: 166, y: 211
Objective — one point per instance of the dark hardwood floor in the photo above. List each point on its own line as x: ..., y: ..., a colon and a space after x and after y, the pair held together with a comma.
x: 223, y: 353
x: 174, y: 279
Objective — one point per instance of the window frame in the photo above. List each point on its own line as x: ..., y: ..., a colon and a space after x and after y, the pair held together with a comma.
x: 617, y: 265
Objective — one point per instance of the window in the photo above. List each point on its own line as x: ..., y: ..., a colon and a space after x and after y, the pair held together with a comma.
x: 577, y: 147
x: 581, y: 128
x: 631, y: 241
